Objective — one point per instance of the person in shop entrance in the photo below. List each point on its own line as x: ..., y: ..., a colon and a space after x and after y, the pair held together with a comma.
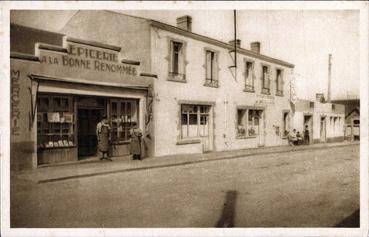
x: 306, y: 135
x: 136, y: 138
x: 103, y: 137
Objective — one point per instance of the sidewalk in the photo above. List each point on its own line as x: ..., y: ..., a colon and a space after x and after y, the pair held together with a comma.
x: 96, y: 167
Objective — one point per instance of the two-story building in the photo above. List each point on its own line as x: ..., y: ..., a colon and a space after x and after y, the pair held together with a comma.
x: 185, y: 90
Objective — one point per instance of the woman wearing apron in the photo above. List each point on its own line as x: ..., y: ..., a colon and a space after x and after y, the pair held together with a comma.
x: 103, y: 133
x: 136, y: 135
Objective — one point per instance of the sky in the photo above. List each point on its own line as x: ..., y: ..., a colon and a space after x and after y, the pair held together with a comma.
x: 301, y: 37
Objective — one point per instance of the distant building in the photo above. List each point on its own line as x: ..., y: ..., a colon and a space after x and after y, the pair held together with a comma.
x: 352, y: 118
x: 324, y: 120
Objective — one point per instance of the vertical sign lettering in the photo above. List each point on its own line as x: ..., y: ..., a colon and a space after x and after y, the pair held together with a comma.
x: 15, y: 111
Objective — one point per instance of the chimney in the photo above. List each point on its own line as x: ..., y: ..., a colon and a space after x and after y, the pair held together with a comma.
x: 238, y: 43
x: 319, y: 97
x: 255, y: 46
x: 185, y: 23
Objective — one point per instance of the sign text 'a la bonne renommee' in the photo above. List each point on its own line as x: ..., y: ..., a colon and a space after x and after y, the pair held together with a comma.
x: 90, y: 59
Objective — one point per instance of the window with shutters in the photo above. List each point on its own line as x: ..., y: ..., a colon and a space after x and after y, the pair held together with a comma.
x: 177, y: 62
x: 265, y: 80
x: 249, y: 76
x: 279, y: 82
x: 211, y: 68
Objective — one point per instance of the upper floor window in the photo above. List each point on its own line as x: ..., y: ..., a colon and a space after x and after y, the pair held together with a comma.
x: 279, y: 82
x: 249, y: 76
x: 211, y: 68
x: 177, y: 61
x: 265, y: 89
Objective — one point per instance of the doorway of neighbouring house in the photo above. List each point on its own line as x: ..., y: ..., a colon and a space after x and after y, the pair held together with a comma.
x: 308, y: 121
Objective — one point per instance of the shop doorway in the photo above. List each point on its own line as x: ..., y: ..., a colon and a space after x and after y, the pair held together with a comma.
x: 323, y: 129
x: 89, y: 114
x: 260, y: 124
x: 308, y: 121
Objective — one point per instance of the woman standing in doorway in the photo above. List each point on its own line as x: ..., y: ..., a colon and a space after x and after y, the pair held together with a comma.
x: 136, y: 135
x: 103, y: 134
x: 307, y: 135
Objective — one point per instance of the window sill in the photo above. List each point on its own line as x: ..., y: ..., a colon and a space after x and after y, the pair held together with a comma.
x: 120, y: 142
x: 279, y: 94
x: 265, y: 93
x: 214, y: 85
x: 55, y: 147
x: 177, y: 77
x: 249, y: 90
x: 245, y: 137
x: 176, y: 80
x: 185, y: 142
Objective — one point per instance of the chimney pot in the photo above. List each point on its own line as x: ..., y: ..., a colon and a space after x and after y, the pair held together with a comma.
x: 255, y: 46
x: 185, y: 23
x: 238, y: 43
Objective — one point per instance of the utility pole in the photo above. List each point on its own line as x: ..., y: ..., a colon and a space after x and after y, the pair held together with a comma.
x: 235, y: 37
x: 329, y: 77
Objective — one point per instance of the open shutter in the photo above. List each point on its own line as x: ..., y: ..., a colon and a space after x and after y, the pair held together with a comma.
x: 268, y: 77
x: 181, y: 60
x: 208, y: 64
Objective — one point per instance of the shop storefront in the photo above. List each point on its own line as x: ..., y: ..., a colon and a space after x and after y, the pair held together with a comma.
x: 71, y: 88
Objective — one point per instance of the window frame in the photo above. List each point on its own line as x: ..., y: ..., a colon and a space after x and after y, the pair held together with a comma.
x: 214, y: 80
x: 265, y: 90
x: 180, y: 75
x: 114, y: 133
x: 199, y: 115
x: 63, y: 131
x: 249, y: 87
x: 245, y: 120
x: 279, y: 91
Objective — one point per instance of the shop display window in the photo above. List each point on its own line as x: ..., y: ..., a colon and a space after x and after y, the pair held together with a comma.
x: 55, y: 121
x: 123, y: 117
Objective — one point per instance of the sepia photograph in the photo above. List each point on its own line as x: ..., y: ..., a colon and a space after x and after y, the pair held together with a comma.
x: 184, y: 118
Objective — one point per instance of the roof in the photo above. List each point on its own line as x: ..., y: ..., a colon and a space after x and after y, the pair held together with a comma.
x: 55, y: 39
x: 356, y: 109
x: 218, y: 43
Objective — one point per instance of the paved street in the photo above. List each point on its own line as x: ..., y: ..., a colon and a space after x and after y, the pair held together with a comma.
x: 307, y: 188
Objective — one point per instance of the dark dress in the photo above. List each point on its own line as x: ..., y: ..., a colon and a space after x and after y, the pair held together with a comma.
x: 103, y: 144
x: 306, y: 137
x: 136, y: 136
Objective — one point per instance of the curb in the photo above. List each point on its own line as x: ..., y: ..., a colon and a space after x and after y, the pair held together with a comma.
x: 199, y: 160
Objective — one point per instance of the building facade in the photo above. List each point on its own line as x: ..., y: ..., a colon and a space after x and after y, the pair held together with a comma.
x: 325, y: 121
x: 61, y: 92
x: 352, y: 118
x: 188, y: 93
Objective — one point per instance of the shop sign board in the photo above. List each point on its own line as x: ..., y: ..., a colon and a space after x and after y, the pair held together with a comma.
x: 85, y: 57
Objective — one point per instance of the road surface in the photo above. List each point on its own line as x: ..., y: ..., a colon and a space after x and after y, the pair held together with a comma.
x: 311, y: 188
